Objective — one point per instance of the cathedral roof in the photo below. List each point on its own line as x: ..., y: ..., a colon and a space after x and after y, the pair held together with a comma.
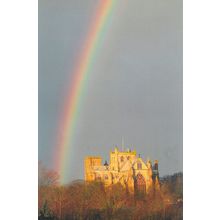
x: 126, y: 165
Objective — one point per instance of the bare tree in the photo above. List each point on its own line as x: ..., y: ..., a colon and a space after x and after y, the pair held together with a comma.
x: 47, y: 177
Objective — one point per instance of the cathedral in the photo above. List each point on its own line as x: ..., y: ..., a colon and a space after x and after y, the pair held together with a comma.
x: 125, y: 167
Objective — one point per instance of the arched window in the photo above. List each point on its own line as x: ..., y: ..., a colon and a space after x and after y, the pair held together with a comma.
x: 139, y: 185
x: 122, y: 159
x: 98, y: 177
x: 139, y: 166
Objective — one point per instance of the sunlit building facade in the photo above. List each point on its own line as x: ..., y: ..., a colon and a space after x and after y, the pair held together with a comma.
x: 125, y: 167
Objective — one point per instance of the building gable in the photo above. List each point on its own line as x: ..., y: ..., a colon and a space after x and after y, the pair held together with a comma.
x: 139, y: 164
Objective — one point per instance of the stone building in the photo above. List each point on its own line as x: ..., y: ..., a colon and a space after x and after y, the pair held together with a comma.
x: 124, y: 167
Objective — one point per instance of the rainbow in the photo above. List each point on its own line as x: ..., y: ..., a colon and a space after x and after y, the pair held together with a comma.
x: 68, y: 125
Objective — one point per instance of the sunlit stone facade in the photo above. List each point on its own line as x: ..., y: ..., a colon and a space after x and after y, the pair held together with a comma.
x: 124, y: 167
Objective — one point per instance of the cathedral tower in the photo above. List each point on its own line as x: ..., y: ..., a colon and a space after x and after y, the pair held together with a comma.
x: 89, y: 164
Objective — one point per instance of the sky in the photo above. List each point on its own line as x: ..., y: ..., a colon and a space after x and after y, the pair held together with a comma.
x: 134, y: 89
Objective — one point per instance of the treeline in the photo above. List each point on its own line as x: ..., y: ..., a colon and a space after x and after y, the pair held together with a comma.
x: 92, y: 201
x: 172, y: 186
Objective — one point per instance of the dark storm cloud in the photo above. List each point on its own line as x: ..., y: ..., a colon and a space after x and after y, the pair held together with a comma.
x: 135, y: 86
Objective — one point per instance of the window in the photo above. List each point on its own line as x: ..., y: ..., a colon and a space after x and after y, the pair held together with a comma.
x: 122, y: 158
x: 139, y: 186
x: 139, y: 166
x: 98, y: 177
x: 128, y: 158
x: 106, y: 177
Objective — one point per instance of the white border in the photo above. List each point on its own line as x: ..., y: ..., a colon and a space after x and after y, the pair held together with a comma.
x: 201, y: 109
x: 18, y: 110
